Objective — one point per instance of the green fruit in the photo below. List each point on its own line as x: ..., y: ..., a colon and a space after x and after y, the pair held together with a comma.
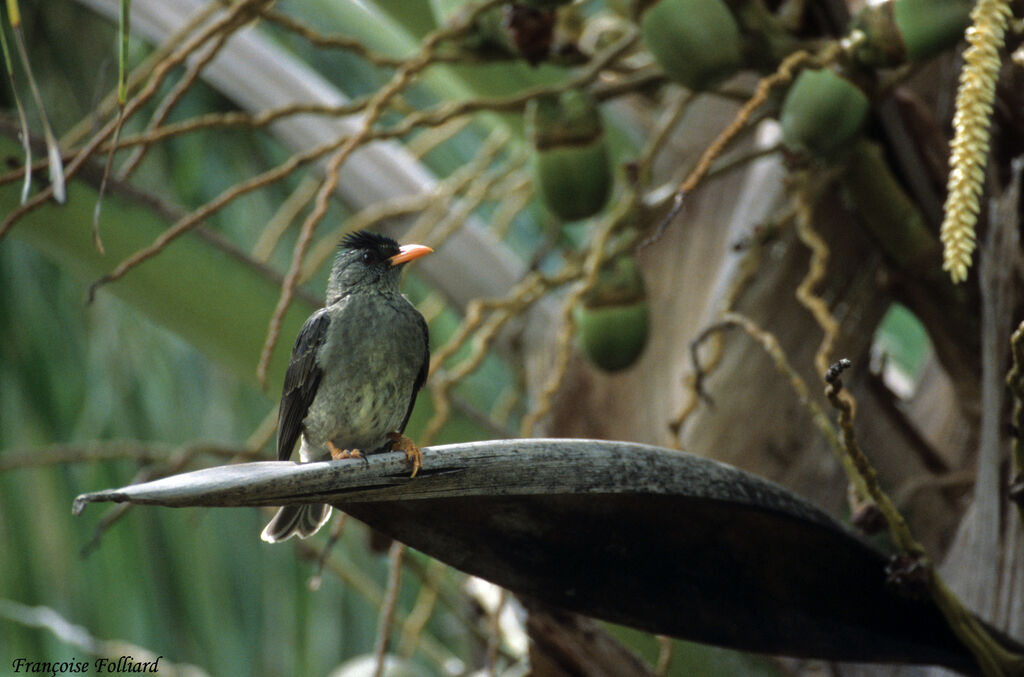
x: 618, y: 282
x: 822, y: 113
x: 574, y: 181
x: 931, y: 26
x: 571, y: 168
x: 488, y: 33
x: 910, y: 30
x: 569, y: 118
x: 696, y: 42
x: 882, y: 45
x: 613, y: 337
x: 613, y: 319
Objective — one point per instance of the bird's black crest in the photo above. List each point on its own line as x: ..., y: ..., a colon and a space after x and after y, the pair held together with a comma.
x: 362, y: 239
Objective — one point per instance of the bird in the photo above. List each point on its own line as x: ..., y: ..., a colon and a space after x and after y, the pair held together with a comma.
x: 356, y: 368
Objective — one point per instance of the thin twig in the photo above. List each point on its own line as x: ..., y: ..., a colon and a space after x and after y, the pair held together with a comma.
x: 286, y: 212
x: 197, y: 216
x: 480, y: 185
x: 517, y: 199
x: 195, y: 68
x: 429, y: 139
x: 112, y: 450
x: 390, y: 602
x: 596, y: 256
x: 159, y: 73
x: 782, y: 75
x: 451, y: 594
x: 351, y: 575
x: 316, y: 579
x: 992, y: 658
x: 124, y: 28
x: 423, y: 609
x: 804, y: 197
x: 240, y: 119
x: 497, y: 312
x: 110, y: 103
x: 771, y: 346
x: 744, y: 274
x: 335, y: 41
x: 432, y: 117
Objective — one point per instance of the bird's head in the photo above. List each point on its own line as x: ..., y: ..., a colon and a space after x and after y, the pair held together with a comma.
x: 369, y: 261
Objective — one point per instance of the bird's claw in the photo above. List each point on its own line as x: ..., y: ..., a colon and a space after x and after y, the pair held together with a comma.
x: 400, y: 442
x: 339, y: 454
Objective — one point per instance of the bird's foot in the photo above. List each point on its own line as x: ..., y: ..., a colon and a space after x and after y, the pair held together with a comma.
x: 400, y: 442
x: 338, y: 454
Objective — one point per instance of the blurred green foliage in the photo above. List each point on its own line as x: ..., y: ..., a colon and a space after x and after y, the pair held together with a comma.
x: 904, y: 340
x: 194, y: 586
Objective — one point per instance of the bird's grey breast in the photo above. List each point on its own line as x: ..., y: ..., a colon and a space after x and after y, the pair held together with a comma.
x: 371, y: 355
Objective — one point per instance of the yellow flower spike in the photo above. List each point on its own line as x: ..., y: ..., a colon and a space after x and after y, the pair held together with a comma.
x: 969, y: 149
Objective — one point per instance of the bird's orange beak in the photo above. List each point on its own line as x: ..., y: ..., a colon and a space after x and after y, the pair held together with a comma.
x: 409, y: 252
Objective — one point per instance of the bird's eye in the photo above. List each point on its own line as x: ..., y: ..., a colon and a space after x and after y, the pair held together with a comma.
x: 367, y: 257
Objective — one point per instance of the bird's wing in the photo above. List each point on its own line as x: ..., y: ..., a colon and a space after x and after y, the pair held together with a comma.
x: 421, y: 377
x: 300, y: 382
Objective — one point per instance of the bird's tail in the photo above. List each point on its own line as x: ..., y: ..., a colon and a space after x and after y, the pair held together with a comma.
x: 303, y: 520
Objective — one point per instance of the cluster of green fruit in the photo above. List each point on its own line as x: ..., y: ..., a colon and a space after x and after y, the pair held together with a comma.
x: 699, y: 44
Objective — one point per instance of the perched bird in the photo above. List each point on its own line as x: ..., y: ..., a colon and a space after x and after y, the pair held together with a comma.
x: 355, y: 370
